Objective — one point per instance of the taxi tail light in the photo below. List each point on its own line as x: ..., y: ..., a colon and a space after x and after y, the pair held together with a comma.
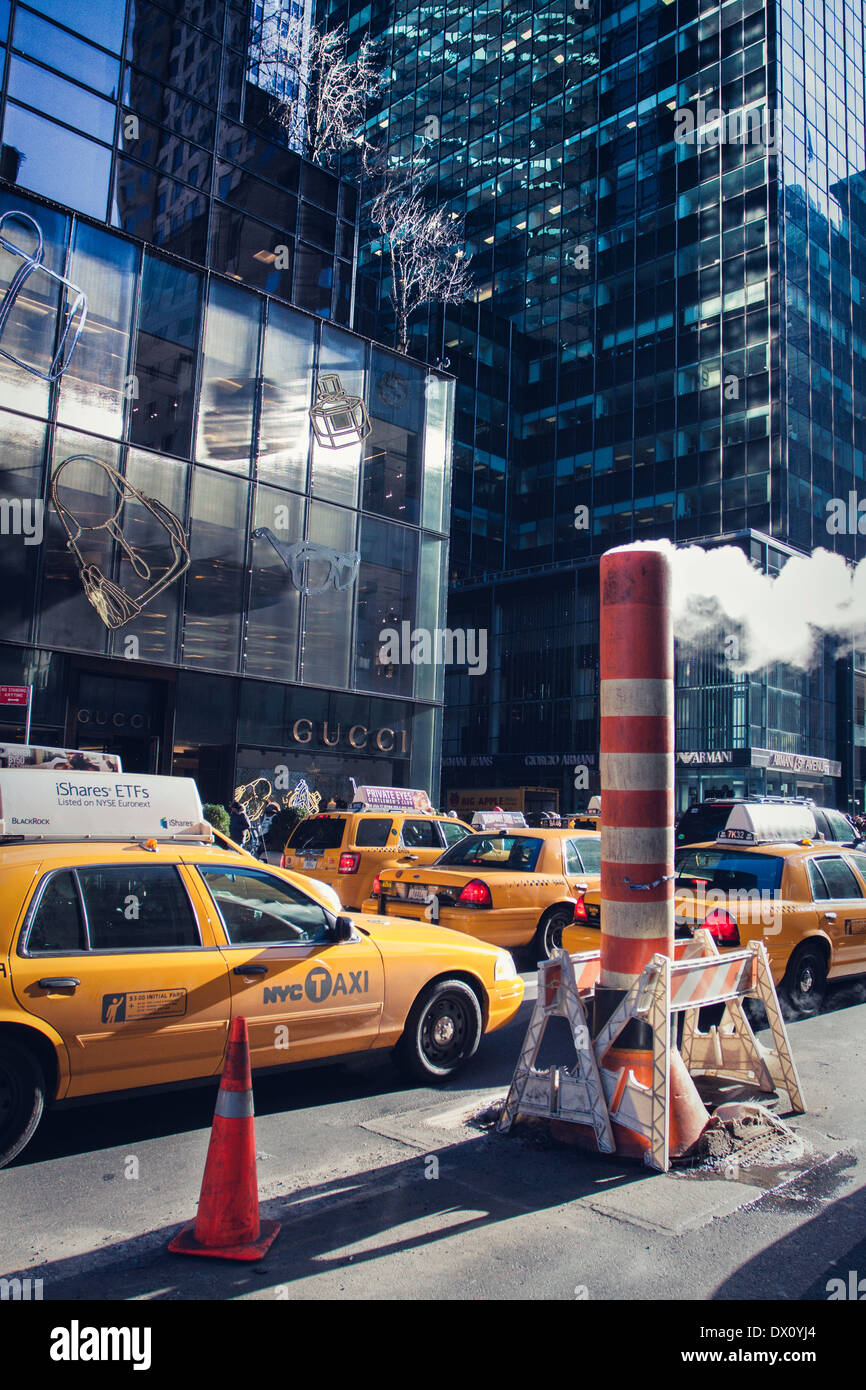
x: 283, y: 860
x: 349, y: 863
x: 377, y: 886
x: 722, y: 927
x: 580, y: 910
x: 476, y: 894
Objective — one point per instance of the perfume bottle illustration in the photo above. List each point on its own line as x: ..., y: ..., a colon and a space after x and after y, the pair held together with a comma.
x: 338, y: 419
x: 114, y: 605
x: 74, y: 299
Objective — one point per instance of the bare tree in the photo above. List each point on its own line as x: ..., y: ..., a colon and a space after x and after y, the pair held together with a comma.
x: 425, y: 248
x: 321, y: 94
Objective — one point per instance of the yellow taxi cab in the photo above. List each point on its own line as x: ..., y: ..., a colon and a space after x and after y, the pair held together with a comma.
x: 590, y: 819
x: 765, y: 878
x: 129, y: 940
x: 347, y: 849
x: 504, y: 883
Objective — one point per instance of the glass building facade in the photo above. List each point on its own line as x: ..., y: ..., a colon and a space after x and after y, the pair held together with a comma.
x: 666, y: 340
x: 212, y: 575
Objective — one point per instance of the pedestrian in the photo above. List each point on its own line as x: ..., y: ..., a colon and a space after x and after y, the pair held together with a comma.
x: 240, y: 829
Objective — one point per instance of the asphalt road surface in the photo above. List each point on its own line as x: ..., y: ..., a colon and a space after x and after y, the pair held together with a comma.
x: 386, y: 1191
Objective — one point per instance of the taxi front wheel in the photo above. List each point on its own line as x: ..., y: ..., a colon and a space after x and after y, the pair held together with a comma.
x: 805, y: 979
x: 22, y: 1099
x: 442, y: 1032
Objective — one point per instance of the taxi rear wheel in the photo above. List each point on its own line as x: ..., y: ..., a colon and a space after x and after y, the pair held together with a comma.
x: 805, y: 979
x: 442, y: 1032
x: 548, y: 938
x: 22, y: 1099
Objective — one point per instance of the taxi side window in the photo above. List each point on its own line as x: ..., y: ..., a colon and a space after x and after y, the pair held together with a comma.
x: 419, y: 834
x: 832, y: 878
x: 258, y: 910
x: 137, y: 908
x: 57, y: 925
x: 373, y: 832
x: 452, y: 831
x: 572, y: 858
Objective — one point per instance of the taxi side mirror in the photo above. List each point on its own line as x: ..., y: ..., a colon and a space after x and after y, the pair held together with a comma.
x: 342, y: 929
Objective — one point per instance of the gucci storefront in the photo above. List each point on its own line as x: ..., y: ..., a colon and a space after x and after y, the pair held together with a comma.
x: 211, y: 503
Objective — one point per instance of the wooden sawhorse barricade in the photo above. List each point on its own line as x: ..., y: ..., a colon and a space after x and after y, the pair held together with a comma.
x: 589, y: 1094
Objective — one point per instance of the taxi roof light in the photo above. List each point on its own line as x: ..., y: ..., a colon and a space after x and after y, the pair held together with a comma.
x: 391, y: 799
x: 754, y: 823
x: 109, y: 806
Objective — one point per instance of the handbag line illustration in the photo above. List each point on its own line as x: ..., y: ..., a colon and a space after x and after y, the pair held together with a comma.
x: 338, y: 419
x: 114, y: 605
x: 342, y: 565
x: 75, y: 316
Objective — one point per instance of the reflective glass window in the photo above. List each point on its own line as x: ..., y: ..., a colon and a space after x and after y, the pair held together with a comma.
x: 229, y: 378
x: 284, y: 424
x: 173, y: 52
x: 99, y: 20
x: 272, y: 624
x: 336, y: 470
x: 163, y: 480
x: 144, y: 97
x: 252, y: 195
x: 215, y: 580
x: 30, y: 331
x: 160, y: 210
x: 89, y: 501
x: 314, y: 277
x: 250, y: 251
x: 386, y: 599
x: 328, y: 614
x: 161, y: 413
x: 56, y: 163
x: 21, y: 488
x: 89, y: 114
x: 94, y: 387
x: 392, y: 453
x: 63, y: 51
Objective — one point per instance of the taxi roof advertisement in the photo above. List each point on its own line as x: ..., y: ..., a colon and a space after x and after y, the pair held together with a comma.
x: 106, y: 806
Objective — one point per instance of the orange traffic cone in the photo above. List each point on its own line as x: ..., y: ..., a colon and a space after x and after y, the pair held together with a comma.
x: 228, y: 1224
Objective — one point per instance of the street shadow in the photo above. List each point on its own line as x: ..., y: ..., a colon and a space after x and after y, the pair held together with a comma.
x: 344, y: 1223
x: 109, y: 1124
x: 800, y: 1265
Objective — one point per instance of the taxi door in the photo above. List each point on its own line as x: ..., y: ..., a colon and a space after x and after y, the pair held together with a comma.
x: 303, y: 994
x: 841, y: 907
x: 111, y: 955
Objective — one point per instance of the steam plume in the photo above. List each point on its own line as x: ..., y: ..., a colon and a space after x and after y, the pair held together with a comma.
x: 775, y: 619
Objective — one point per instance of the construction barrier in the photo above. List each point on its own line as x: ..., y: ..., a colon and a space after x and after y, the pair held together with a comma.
x: 599, y: 1097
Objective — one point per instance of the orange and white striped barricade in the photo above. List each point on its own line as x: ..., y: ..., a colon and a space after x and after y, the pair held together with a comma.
x: 596, y: 1096
x: 559, y: 1092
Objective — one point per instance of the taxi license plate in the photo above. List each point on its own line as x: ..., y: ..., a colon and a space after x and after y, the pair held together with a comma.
x: 418, y: 895
x: 310, y: 862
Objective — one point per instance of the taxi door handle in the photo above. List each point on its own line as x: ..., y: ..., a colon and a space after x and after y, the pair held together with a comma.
x: 831, y: 916
x: 250, y: 970
x: 59, y: 982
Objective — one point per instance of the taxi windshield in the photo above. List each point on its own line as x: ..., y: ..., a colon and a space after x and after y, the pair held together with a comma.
x: 728, y: 869
x: 493, y: 851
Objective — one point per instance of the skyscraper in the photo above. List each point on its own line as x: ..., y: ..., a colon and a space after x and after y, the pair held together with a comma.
x: 664, y: 205
x: 233, y: 491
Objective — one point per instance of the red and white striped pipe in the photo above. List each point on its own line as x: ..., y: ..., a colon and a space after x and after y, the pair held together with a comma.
x: 637, y: 763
